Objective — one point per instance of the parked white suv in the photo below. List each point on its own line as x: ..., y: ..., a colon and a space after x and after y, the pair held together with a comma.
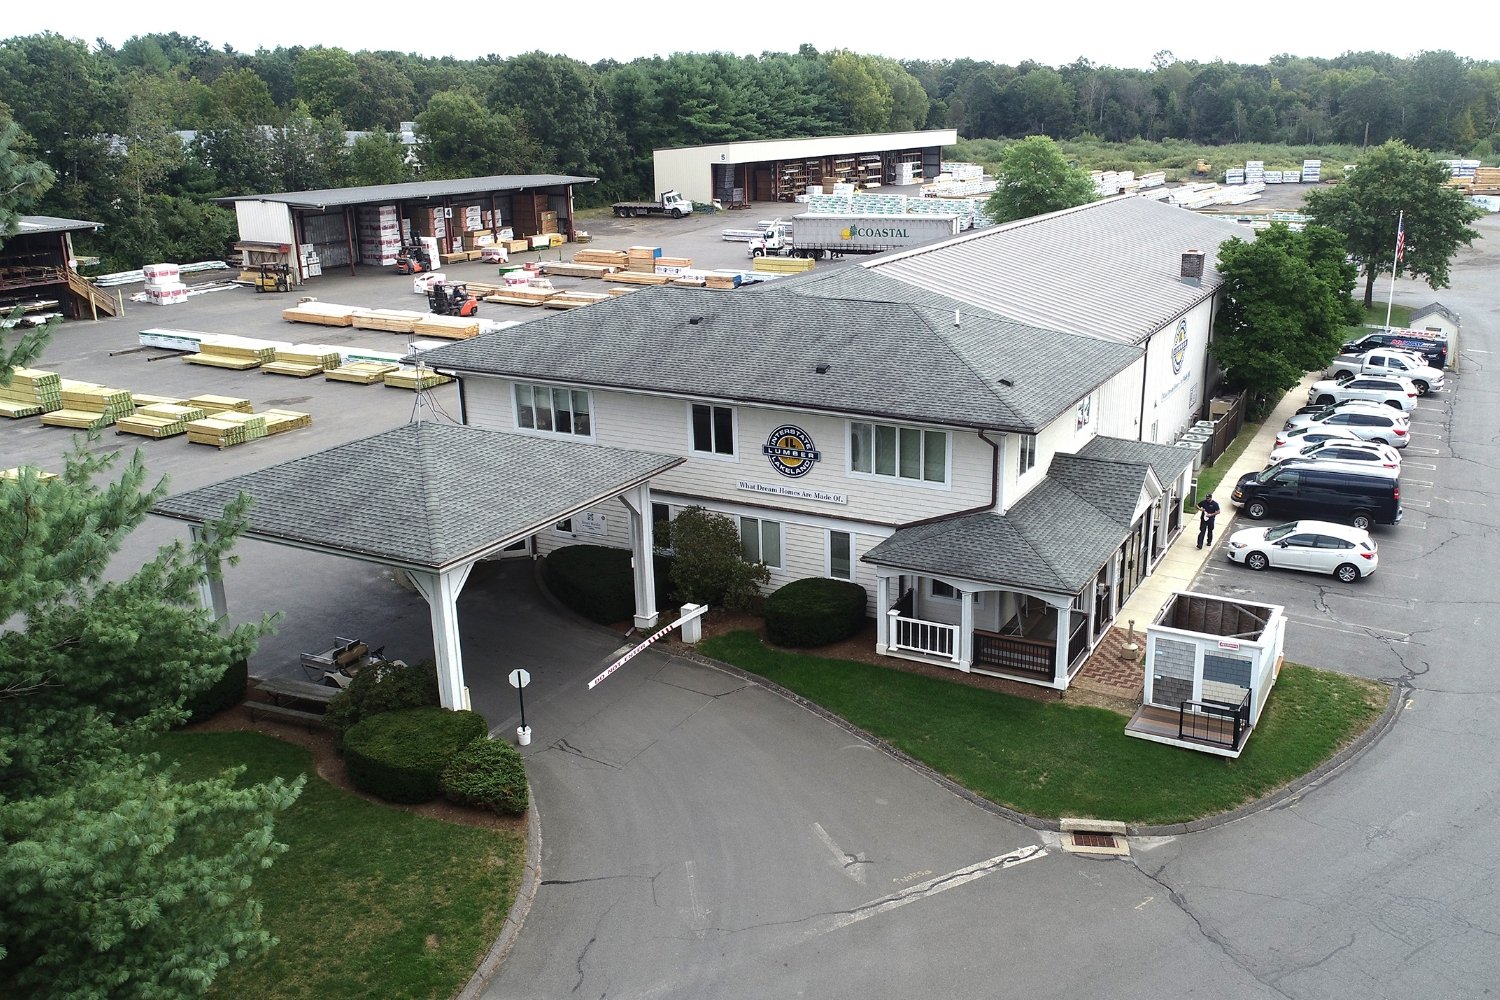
x: 1369, y: 423
x: 1339, y: 449
x: 1392, y: 390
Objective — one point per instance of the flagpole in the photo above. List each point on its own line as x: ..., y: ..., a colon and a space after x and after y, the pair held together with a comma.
x: 1395, y: 260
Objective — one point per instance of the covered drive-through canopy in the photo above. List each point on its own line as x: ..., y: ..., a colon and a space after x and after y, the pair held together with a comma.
x: 448, y: 496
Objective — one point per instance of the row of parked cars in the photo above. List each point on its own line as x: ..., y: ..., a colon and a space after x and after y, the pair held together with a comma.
x: 1336, y: 464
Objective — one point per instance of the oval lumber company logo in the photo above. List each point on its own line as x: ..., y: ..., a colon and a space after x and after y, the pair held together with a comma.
x: 791, y: 451
x: 1179, y: 346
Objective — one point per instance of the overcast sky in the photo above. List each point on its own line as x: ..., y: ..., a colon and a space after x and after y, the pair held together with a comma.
x: 1113, y: 33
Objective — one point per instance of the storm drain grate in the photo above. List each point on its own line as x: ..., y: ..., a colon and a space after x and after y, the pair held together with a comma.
x: 1084, y: 839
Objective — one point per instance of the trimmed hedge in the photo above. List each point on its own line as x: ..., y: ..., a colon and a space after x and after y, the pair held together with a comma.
x: 383, y: 687
x: 815, y: 612
x: 226, y: 692
x: 596, y: 581
x: 400, y: 756
x: 489, y: 774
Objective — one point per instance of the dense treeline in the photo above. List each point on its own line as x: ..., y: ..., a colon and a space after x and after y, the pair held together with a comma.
x: 105, y: 119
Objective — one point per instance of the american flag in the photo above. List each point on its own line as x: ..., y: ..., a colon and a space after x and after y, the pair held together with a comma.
x: 1400, y: 237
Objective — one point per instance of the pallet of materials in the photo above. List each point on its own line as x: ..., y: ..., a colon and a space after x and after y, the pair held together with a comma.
x: 322, y: 313
x: 615, y: 292
x: 522, y: 295
x: 234, y: 353
x: 608, y: 258
x: 17, y: 472
x: 147, y: 425
x: 281, y: 421
x: 639, y: 278
x: 573, y: 299
x: 386, y: 320
x: 415, y: 379
x: 721, y: 279
x: 782, y: 265
x: 303, y: 360
x: 254, y: 423
x: 360, y: 372
x: 30, y: 392
x: 87, y: 406
x: 448, y: 327
x: 564, y: 269
x: 212, y: 405
x: 217, y: 431
x: 517, y: 246
x: 144, y: 399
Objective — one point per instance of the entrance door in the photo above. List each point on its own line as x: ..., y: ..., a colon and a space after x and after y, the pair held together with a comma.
x: 520, y: 550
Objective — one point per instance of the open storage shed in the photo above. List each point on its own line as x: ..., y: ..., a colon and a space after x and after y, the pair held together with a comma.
x: 341, y: 227
x: 449, y: 497
x: 734, y: 173
x: 1210, y: 665
x: 37, y: 271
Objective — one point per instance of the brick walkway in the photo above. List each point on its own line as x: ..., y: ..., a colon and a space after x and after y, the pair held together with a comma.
x: 1109, y: 672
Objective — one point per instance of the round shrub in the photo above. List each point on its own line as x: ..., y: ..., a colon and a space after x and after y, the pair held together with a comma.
x: 226, y: 692
x: 597, y: 582
x: 815, y: 612
x: 489, y: 774
x: 400, y: 756
x: 383, y: 687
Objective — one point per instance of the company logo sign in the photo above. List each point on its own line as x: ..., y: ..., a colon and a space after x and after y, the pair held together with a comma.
x: 791, y: 451
x: 1179, y: 346
x: 873, y: 232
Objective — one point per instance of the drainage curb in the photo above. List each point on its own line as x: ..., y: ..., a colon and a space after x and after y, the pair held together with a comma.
x: 531, y: 877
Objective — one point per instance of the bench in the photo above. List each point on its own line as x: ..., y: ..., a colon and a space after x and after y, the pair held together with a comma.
x: 264, y: 709
x: 279, y: 688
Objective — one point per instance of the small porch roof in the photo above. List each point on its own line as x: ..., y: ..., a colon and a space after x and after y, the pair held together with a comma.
x: 424, y: 496
x: 1054, y: 540
x: 1166, y: 461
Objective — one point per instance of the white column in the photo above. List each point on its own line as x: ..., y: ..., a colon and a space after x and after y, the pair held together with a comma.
x: 964, y: 655
x: 441, y: 591
x: 1064, y: 623
x: 642, y: 544
x: 882, y: 613
x: 211, y: 583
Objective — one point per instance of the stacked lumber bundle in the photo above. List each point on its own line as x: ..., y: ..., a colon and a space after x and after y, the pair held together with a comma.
x: 359, y: 372
x: 87, y: 406
x: 522, y: 295
x: 607, y: 258
x: 15, y: 473
x: 639, y: 278
x: 281, y: 421
x: 782, y: 265
x: 216, y: 431
x: 450, y: 327
x: 144, y: 399
x: 235, y: 353
x: 563, y: 269
x: 302, y: 360
x: 516, y: 246
x: 322, y: 313
x: 573, y: 299
x: 673, y: 262
x: 415, y: 379
x: 387, y: 320
x: 717, y: 279
x: 642, y: 259
x: 254, y: 423
x: 31, y: 391
x: 695, y: 280
x: 613, y: 292
x: 179, y: 411
x: 219, y: 404
x: 159, y: 420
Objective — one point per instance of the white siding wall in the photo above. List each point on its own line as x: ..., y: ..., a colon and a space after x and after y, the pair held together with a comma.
x: 1175, y: 394
x: 1119, y: 411
x: 264, y: 221
x: 1065, y: 435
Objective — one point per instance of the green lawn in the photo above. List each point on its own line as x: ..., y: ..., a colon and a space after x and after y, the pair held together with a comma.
x: 368, y: 900
x: 1210, y: 476
x: 1375, y: 316
x: 1051, y: 759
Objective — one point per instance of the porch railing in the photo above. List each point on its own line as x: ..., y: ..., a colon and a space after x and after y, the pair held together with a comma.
x: 918, y: 636
x: 1214, y: 721
x: 1034, y: 657
x: 1078, y: 639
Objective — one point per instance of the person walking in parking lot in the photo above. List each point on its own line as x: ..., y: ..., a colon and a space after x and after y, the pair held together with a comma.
x: 1208, y: 509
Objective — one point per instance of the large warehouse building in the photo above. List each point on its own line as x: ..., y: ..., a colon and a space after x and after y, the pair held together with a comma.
x: 734, y: 173
x: 340, y: 227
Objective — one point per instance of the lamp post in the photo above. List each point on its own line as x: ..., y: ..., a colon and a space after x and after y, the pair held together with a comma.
x: 519, y: 679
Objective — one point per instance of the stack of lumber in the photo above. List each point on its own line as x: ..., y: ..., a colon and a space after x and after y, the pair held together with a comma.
x: 620, y: 291
x: 562, y: 269
x: 87, y: 406
x: 254, y: 423
x: 449, y: 327
x: 322, y: 313
x: 219, y: 404
x: 388, y: 320
x: 782, y: 265
x: 522, y: 295
x: 42, y: 476
x: 281, y: 421
x: 31, y: 391
x: 415, y: 379
x: 717, y: 279
x: 302, y: 360
x: 642, y: 259
x: 236, y: 353
x: 516, y: 246
x: 573, y: 299
x: 359, y: 372
x: 695, y: 280
x: 143, y: 399
x: 607, y: 258
x: 678, y: 263
x: 159, y: 420
x: 480, y: 288
x: 216, y: 431
x: 640, y: 278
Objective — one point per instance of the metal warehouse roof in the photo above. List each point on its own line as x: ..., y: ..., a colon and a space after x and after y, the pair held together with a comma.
x: 884, y: 350
x: 51, y: 224
x: 379, y: 193
x: 1109, y: 269
x: 755, y: 150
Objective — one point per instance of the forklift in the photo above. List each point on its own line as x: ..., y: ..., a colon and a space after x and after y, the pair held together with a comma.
x: 272, y: 277
x: 413, y: 259
x: 446, y: 299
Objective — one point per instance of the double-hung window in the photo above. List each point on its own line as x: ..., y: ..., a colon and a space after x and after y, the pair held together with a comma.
x: 898, y: 452
x: 1027, y: 450
x: 713, y: 429
x: 554, y: 410
x: 840, y: 555
x: 760, y: 541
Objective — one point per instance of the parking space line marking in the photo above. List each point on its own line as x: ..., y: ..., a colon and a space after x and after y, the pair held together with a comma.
x: 1416, y: 482
x: 1364, y: 630
x: 1425, y: 434
x: 1404, y: 603
x: 1418, y: 465
x: 1409, y: 502
x: 852, y: 865
x: 931, y: 887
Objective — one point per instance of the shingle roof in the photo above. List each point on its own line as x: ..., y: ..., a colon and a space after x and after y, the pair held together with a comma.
x: 892, y: 351
x: 52, y: 224
x: 425, y: 495
x: 1436, y: 307
x: 1166, y: 461
x: 1110, y: 269
x: 381, y: 193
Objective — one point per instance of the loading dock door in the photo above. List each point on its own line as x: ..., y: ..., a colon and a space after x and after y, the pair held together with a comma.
x: 329, y: 235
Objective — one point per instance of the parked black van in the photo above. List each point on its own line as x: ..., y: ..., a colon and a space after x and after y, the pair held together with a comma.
x: 1328, y: 491
x: 1432, y: 346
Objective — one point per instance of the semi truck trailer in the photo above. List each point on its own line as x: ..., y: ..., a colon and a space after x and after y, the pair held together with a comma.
x: 819, y: 235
